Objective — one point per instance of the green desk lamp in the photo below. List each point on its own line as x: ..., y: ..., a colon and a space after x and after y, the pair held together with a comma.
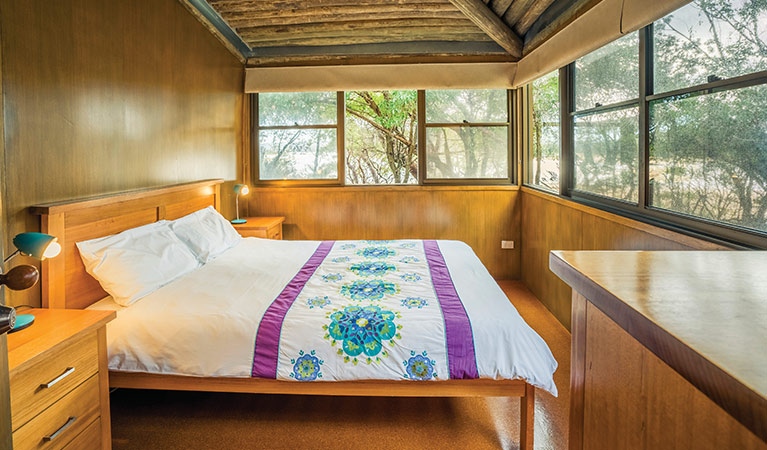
x: 36, y: 245
x: 239, y: 189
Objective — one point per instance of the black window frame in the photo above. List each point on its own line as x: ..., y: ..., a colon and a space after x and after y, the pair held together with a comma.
x: 340, y: 181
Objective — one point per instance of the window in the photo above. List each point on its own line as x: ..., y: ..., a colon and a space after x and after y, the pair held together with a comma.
x: 544, y: 129
x: 668, y: 124
x: 606, y: 121
x: 297, y: 135
x: 467, y: 134
x: 708, y: 143
x: 386, y: 137
x: 381, y: 137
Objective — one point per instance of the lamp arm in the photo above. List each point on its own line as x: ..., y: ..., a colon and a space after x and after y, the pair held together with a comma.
x: 11, y: 256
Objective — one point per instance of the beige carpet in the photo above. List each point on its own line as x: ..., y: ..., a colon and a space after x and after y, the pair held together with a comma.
x: 194, y: 420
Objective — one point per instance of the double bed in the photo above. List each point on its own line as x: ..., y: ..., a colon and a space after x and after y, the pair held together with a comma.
x: 372, y: 318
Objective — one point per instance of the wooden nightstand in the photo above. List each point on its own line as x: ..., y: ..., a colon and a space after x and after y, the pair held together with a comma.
x: 261, y: 227
x: 60, y: 381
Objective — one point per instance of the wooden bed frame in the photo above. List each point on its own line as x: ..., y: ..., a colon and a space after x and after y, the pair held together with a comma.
x: 66, y: 284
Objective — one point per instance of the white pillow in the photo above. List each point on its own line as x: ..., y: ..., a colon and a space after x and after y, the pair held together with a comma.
x: 137, y: 262
x: 206, y: 232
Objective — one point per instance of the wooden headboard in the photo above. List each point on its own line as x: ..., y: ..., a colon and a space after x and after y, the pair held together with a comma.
x: 65, y: 283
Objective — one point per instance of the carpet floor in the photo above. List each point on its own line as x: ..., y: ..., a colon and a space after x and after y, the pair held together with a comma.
x: 143, y: 419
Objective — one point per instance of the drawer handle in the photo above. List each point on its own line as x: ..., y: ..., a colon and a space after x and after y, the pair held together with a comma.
x: 60, y: 430
x: 50, y: 384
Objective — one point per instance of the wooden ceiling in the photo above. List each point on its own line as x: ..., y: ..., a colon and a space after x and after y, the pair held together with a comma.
x: 290, y: 32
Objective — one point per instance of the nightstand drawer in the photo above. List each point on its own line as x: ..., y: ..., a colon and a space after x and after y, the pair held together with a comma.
x: 253, y: 233
x: 37, y: 386
x: 63, y: 421
x: 88, y: 439
x: 275, y: 233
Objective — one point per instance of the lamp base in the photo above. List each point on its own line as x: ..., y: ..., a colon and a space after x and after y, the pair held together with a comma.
x: 23, y: 321
x: 239, y: 221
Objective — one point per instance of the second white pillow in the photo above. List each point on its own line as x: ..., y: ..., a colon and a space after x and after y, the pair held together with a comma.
x: 206, y: 232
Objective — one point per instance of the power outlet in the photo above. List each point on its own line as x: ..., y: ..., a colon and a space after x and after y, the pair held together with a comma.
x: 507, y: 245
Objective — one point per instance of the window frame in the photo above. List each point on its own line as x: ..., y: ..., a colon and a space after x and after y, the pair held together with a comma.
x: 719, y: 232
x: 340, y: 126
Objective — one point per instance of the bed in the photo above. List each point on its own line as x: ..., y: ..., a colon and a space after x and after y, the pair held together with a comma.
x: 289, y: 308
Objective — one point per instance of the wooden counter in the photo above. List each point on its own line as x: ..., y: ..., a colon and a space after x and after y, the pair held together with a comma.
x: 701, y: 319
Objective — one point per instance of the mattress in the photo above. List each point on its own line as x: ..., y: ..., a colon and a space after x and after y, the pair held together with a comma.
x: 332, y: 311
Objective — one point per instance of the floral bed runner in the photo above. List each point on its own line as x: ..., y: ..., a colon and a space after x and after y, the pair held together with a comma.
x: 368, y: 310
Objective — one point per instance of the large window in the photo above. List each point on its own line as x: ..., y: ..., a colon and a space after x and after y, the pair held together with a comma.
x: 606, y: 120
x: 383, y: 137
x: 467, y: 134
x: 297, y: 136
x: 669, y: 124
x: 544, y: 139
x: 708, y: 142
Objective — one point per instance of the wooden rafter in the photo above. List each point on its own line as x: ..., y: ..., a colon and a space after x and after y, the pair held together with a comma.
x: 482, y: 16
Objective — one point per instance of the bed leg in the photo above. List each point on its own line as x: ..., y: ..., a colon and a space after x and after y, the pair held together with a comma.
x: 527, y: 418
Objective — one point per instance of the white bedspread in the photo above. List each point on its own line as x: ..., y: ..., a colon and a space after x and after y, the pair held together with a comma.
x: 205, y: 323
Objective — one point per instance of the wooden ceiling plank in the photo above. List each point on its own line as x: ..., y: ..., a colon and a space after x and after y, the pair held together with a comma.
x: 492, y: 25
x: 233, y: 6
x: 500, y: 7
x: 366, y: 25
x: 531, y: 15
x: 390, y: 58
x: 516, y: 11
x: 248, y: 21
x: 367, y: 38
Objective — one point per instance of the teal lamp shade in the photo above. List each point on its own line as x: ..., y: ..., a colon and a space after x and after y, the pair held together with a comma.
x: 37, y: 245
x: 239, y: 189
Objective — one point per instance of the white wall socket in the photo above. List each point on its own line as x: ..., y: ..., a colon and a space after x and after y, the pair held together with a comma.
x: 507, y: 245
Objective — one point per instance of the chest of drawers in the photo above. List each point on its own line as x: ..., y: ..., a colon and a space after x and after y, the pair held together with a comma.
x: 59, y: 381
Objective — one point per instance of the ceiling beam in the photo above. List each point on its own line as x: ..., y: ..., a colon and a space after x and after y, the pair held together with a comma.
x: 492, y: 25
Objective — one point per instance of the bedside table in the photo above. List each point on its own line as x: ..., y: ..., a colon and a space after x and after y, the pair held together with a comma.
x: 59, y: 380
x: 261, y: 227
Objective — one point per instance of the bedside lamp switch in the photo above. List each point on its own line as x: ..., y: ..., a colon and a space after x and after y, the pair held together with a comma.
x: 7, y: 319
x: 507, y: 245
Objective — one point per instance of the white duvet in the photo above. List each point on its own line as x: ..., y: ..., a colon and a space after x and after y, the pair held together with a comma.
x: 206, y: 322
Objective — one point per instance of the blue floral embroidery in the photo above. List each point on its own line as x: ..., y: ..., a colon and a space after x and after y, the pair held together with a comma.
x: 368, y: 290
x: 332, y: 277
x: 370, y: 268
x: 376, y: 252
x: 362, y: 331
x: 408, y: 245
x: 340, y: 259
x: 348, y: 246
x: 420, y: 367
x: 410, y: 277
x: 414, y: 302
x: 319, y: 302
x: 409, y: 259
x: 371, y: 241
x: 306, y: 367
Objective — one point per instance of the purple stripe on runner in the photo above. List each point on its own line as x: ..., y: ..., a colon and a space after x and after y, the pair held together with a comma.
x: 460, y: 340
x: 266, y: 353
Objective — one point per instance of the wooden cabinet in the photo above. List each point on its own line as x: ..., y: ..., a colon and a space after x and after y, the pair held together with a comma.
x: 261, y: 227
x: 59, y: 381
x: 667, y: 349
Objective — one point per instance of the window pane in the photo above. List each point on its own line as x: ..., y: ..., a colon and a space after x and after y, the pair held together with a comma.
x: 606, y: 153
x: 473, y: 106
x: 297, y: 154
x: 608, y: 75
x: 708, y: 156
x: 467, y: 152
x: 544, y: 128
x: 381, y: 141
x: 297, y: 108
x: 702, y: 39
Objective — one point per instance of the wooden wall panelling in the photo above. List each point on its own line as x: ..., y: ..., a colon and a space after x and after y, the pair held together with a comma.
x: 112, y: 96
x: 479, y: 216
x: 552, y: 223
